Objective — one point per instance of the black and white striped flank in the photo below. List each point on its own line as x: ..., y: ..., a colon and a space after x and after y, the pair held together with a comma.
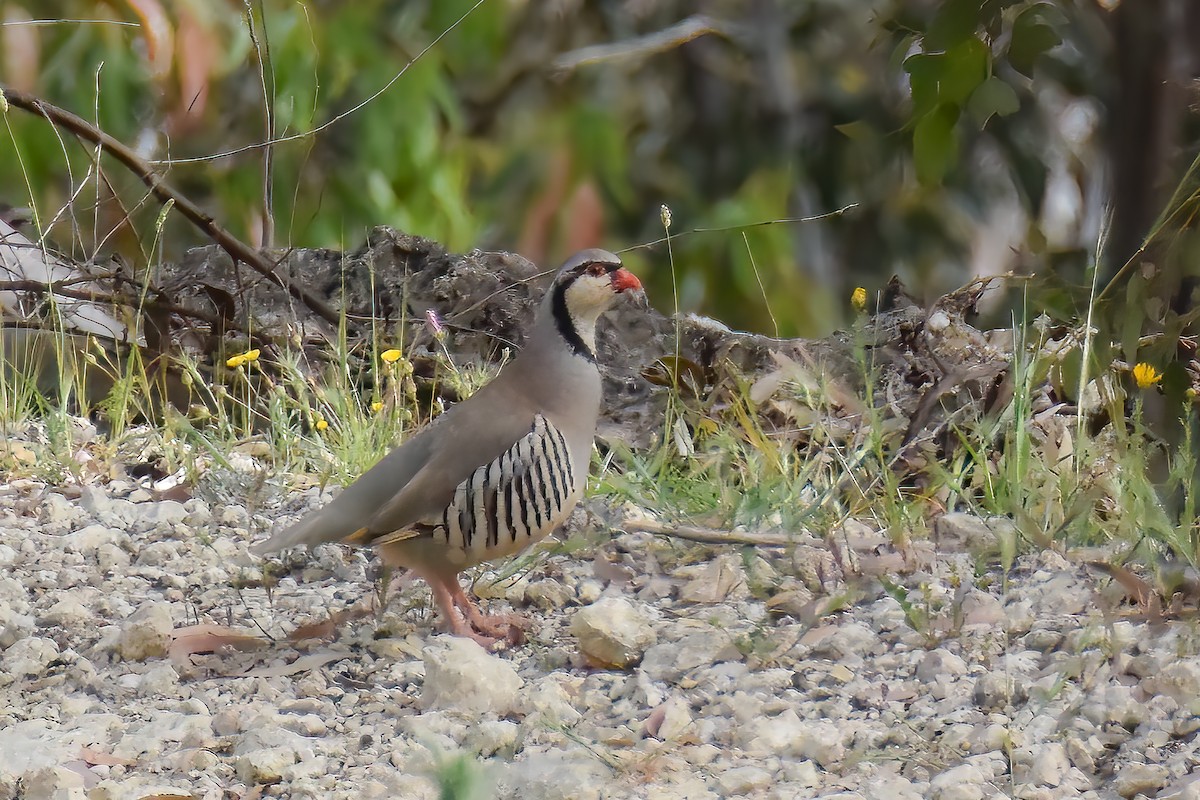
x: 514, y: 500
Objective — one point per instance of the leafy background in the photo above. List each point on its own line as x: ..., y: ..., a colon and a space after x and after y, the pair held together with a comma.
x: 971, y: 137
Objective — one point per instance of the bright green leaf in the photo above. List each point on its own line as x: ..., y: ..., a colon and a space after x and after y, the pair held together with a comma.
x: 935, y: 144
x: 993, y: 96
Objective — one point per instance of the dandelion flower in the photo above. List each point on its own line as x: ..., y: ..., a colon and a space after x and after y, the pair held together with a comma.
x: 390, y: 356
x: 242, y: 359
x: 858, y: 299
x: 322, y: 425
x: 377, y: 406
x: 1146, y: 375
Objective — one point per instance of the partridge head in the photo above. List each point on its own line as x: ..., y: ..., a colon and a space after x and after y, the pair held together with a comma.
x: 498, y: 471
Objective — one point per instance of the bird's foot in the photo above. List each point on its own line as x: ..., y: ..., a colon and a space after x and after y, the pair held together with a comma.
x: 509, y: 628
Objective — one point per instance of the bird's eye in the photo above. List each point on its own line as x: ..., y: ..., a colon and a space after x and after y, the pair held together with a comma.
x: 596, y: 270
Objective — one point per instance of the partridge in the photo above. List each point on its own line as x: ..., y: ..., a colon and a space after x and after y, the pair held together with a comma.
x: 498, y: 471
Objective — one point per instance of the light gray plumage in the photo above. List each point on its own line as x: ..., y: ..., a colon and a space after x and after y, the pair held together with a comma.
x: 500, y: 470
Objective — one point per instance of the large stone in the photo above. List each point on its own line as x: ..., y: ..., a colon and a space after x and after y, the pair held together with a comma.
x: 147, y: 633
x: 1139, y: 779
x: 1179, y: 680
x: 29, y: 657
x: 612, y: 632
x: 461, y: 675
x: 556, y: 775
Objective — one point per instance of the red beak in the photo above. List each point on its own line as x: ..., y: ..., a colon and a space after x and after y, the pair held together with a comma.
x: 623, y: 279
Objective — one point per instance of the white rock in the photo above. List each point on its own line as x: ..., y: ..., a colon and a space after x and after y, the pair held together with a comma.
x: 669, y: 661
x: 1139, y: 779
x: 29, y: 747
x: 461, y: 675
x: 164, y: 513
x: 547, y: 703
x: 786, y: 735
x: 681, y: 787
x: 53, y: 783
x: 87, y: 540
x: 612, y: 632
x: 56, y: 509
x: 161, y: 679
x: 676, y: 721
x: 1117, y: 704
x: 493, y: 736
x: 1049, y: 765
x: 147, y: 633
x: 14, y: 625
x: 29, y: 656
x: 958, y: 532
x: 1179, y: 680
x: 548, y: 594
x: 265, y: 765
x: 742, y: 780
x: 68, y: 612
x: 8, y: 556
x: 964, y: 782
x: 555, y: 775
x: 719, y: 580
x: 892, y: 787
x: 938, y: 663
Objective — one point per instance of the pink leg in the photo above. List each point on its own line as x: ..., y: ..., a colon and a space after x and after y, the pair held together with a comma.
x: 444, y: 596
x: 498, y: 625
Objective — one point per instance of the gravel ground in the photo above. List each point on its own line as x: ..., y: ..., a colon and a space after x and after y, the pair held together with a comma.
x: 654, y: 669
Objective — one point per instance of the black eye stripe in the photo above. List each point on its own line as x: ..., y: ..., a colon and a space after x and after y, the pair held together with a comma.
x: 609, y: 268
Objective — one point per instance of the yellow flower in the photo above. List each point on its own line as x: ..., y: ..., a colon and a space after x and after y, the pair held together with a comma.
x: 1146, y: 375
x: 322, y: 424
x: 377, y: 406
x: 858, y: 299
x: 241, y: 359
x: 390, y: 356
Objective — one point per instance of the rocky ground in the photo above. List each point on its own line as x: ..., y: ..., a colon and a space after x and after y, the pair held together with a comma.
x: 655, y: 668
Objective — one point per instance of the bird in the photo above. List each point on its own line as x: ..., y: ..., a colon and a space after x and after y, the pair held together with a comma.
x: 496, y: 472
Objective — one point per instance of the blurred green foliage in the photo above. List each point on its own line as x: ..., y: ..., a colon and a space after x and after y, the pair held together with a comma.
x: 929, y: 116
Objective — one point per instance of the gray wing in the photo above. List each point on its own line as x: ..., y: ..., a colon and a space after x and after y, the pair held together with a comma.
x: 416, y: 480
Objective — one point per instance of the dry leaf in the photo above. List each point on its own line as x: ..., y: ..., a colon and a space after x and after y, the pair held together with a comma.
x: 94, y: 757
x: 326, y: 628
x: 1136, y: 588
x: 302, y: 664
x: 194, y: 639
x: 654, y: 721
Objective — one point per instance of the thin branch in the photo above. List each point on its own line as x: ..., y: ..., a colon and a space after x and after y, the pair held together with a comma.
x: 680, y: 33
x: 707, y: 535
x: 163, y: 192
x: 747, y: 226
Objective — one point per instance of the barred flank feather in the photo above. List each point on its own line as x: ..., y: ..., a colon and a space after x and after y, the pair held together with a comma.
x: 516, y: 499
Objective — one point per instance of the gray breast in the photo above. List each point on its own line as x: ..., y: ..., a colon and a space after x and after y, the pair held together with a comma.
x: 514, y: 500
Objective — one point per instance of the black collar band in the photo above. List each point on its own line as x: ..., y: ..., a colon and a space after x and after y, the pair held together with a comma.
x: 566, y: 325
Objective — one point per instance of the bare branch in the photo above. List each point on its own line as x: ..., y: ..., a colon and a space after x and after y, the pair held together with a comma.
x: 708, y: 535
x: 642, y: 46
x: 164, y: 192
